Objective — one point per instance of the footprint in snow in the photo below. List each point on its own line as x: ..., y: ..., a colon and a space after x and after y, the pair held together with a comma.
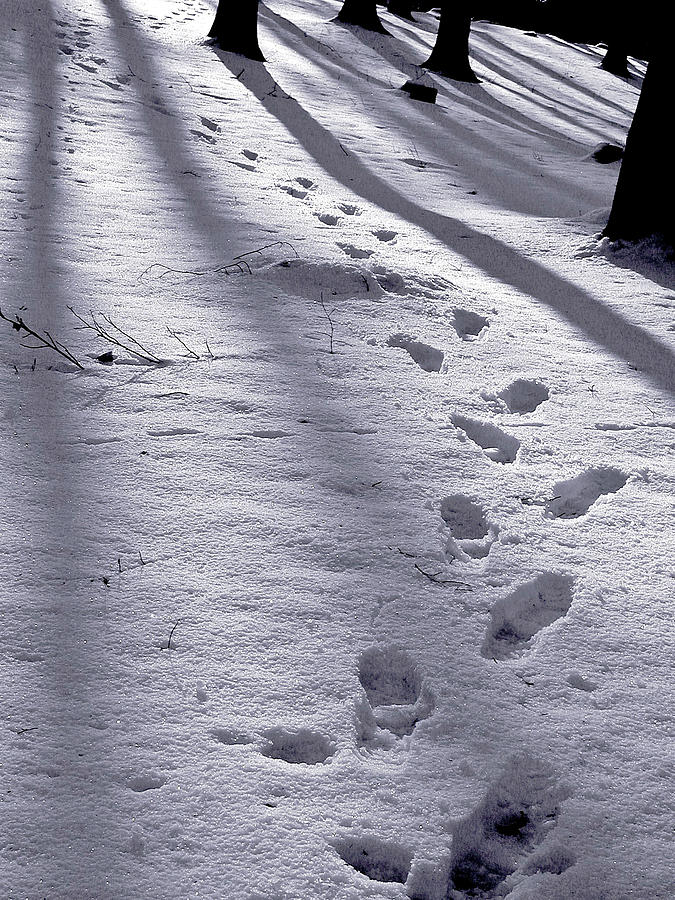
x: 471, y: 534
x: 396, y: 696
x: 149, y: 782
x: 428, y: 358
x: 468, y: 325
x: 385, y: 235
x: 209, y: 123
x: 294, y: 191
x: 503, y: 834
x: 328, y: 218
x: 516, y: 619
x: 521, y: 396
x: 495, y: 443
x: 300, y: 745
x: 383, y: 861
x: 573, y: 498
x: 355, y: 252
x: 201, y: 135
x: 291, y: 745
x: 349, y: 209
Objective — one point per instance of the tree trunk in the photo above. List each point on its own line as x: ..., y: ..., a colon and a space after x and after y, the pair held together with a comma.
x: 616, y: 57
x: 402, y: 8
x: 644, y: 200
x: 363, y: 13
x: 235, y: 28
x: 450, y: 56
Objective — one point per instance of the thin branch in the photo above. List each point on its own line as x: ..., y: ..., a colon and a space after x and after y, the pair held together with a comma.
x: 44, y: 341
x: 331, y: 324
x: 191, y: 353
x: 433, y: 576
x: 168, y: 643
x: 237, y: 264
x: 130, y: 344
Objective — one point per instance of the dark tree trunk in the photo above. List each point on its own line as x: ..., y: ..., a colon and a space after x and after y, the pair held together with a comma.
x: 363, y: 13
x: 644, y: 200
x: 450, y: 56
x: 235, y: 28
x: 616, y: 57
x: 402, y: 8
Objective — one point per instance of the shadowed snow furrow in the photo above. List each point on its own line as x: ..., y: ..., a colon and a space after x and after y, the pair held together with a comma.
x: 498, y: 838
x: 495, y: 443
x: 516, y: 619
x: 575, y: 497
x: 376, y: 859
x: 397, y: 698
x: 428, y: 358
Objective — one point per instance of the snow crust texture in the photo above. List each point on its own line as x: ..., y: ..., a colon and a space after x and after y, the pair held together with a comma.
x: 336, y: 483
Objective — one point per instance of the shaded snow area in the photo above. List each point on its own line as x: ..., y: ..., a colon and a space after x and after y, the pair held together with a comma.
x: 278, y: 622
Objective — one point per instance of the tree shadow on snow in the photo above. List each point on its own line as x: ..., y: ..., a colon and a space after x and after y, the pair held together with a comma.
x: 601, y: 324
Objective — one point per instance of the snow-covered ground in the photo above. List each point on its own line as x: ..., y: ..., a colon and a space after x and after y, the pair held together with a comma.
x: 279, y: 622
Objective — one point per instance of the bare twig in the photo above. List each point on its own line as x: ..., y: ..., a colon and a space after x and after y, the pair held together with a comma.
x: 433, y: 576
x: 190, y: 351
x: 168, y: 643
x: 331, y: 324
x: 44, y: 341
x: 105, y: 328
x: 403, y: 552
x: 237, y: 264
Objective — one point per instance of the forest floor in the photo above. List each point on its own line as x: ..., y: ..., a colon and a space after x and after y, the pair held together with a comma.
x: 350, y: 575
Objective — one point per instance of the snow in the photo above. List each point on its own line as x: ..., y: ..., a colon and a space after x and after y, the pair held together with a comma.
x: 278, y: 622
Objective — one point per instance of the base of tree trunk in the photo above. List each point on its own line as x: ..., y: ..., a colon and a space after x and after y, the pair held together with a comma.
x: 644, y: 199
x: 250, y: 52
x: 462, y: 72
x: 369, y: 22
x: 402, y: 9
x: 236, y: 31
x: 616, y: 67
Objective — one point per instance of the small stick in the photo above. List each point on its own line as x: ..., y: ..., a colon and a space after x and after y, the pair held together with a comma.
x: 190, y: 351
x: 130, y: 344
x: 330, y: 322
x: 168, y: 645
x: 45, y: 341
x: 433, y: 576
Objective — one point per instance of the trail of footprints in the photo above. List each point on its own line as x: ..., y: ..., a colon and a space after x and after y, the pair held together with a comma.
x: 511, y: 831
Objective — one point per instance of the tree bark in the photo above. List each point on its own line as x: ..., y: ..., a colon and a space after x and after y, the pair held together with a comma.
x: 616, y: 57
x: 644, y: 200
x: 402, y: 8
x: 363, y: 13
x: 235, y: 28
x: 450, y: 56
